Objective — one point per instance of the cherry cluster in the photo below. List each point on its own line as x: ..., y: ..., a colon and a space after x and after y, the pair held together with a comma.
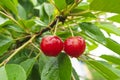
x: 53, y: 45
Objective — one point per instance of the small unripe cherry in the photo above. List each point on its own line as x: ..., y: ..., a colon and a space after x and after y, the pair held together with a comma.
x: 51, y: 45
x: 74, y: 46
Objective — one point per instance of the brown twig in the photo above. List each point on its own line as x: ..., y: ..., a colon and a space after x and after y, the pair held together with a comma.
x: 52, y: 24
x: 27, y: 40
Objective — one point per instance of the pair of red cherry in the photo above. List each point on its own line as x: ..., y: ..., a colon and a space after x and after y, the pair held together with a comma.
x: 53, y: 45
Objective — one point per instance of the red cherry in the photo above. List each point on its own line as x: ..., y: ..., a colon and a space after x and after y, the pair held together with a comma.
x: 51, y: 45
x: 74, y: 46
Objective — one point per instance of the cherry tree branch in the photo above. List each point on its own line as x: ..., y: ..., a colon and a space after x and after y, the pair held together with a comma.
x: 17, y: 50
x: 30, y: 39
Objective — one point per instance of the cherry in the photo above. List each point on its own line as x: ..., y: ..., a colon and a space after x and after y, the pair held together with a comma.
x: 51, y: 45
x: 74, y: 46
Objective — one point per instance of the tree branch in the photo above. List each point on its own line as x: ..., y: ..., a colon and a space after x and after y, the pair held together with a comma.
x: 17, y: 50
x: 58, y: 18
x: 29, y: 39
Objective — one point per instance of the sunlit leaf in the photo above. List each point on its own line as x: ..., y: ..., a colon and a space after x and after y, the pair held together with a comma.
x: 10, y: 5
x: 21, y: 12
x: 4, y: 40
x: 49, y: 9
x: 28, y: 65
x: 4, y: 48
x: 103, y: 5
x: 75, y: 74
x: 110, y: 28
x: 65, y: 66
x: 103, y: 70
x: 55, y: 67
x: 113, y: 45
x: 93, y: 31
x: 60, y: 4
x: 50, y: 70
x: 115, y: 18
x: 3, y: 75
x: 69, y: 1
x: 15, y: 72
x: 111, y: 58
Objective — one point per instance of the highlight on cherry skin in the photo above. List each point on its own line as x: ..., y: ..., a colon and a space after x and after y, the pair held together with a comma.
x: 51, y: 45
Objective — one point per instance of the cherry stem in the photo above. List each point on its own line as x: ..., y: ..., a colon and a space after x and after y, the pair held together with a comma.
x: 36, y: 47
x: 60, y: 18
x: 71, y: 31
x: 56, y: 27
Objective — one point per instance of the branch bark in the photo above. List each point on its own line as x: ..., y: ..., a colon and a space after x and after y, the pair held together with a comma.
x: 31, y: 38
x: 27, y: 40
x: 59, y: 18
x: 17, y: 50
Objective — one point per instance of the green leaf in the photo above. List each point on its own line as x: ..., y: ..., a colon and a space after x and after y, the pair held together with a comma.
x: 28, y: 6
x: 39, y: 22
x: 41, y: 10
x: 60, y: 4
x: 10, y: 5
x: 4, y: 48
x: 3, y: 75
x: 63, y: 34
x: 111, y: 58
x: 18, y: 60
x: 3, y: 20
x: 28, y: 65
x: 115, y: 18
x: 110, y: 28
x: 91, y: 46
x: 42, y: 61
x: 15, y: 31
x: 83, y: 6
x: 15, y: 28
x: 21, y: 12
x: 43, y: 15
x: 34, y: 2
x: 65, y: 67
x: 77, y: 12
x: 35, y: 75
x: 93, y: 31
x: 106, y: 5
x: 90, y: 1
x: 41, y: 1
x: 118, y: 67
x: 50, y: 70
x: 88, y: 14
x: 29, y: 23
x: 113, y: 45
x: 55, y: 68
x: 103, y: 70
x: 49, y: 9
x: 15, y: 72
x: 15, y: 2
x: 4, y: 40
x: 69, y: 2
x: 75, y: 74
